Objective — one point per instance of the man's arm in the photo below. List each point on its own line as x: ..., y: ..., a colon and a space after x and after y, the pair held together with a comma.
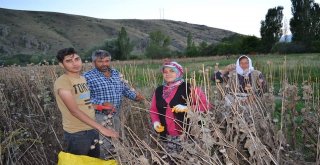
x: 139, y: 97
x: 129, y: 93
x: 68, y: 100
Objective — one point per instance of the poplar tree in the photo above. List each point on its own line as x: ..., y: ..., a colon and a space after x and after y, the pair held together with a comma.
x: 315, y: 21
x: 191, y: 47
x: 124, y: 45
x: 305, y: 24
x: 300, y: 23
x: 270, y: 30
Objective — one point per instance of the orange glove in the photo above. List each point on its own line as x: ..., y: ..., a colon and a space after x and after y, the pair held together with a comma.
x: 180, y: 108
x: 158, y: 127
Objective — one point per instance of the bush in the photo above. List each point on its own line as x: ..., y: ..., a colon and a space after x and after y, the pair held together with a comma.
x: 288, y: 48
x: 224, y: 48
x: 136, y: 57
x: 315, y: 46
x: 156, y: 52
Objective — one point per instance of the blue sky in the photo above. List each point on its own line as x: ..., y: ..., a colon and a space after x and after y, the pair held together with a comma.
x: 241, y: 16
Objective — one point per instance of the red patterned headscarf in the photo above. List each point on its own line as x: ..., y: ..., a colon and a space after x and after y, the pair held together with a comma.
x: 167, y: 91
x: 175, y: 66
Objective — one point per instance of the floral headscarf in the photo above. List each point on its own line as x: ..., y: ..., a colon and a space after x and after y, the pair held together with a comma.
x: 175, y: 67
x: 170, y: 86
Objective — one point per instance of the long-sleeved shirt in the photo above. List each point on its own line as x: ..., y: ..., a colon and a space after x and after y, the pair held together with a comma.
x: 171, y: 126
x: 108, y: 89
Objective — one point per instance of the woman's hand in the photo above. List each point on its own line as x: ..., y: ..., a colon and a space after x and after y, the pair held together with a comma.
x: 180, y: 108
x: 158, y: 127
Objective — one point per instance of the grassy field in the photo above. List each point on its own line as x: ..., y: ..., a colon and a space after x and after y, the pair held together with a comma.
x: 285, y: 126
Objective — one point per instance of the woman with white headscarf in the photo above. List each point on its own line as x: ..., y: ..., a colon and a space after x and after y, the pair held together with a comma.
x: 242, y: 77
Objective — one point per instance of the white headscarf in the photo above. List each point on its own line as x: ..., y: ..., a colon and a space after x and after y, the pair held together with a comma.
x: 240, y: 70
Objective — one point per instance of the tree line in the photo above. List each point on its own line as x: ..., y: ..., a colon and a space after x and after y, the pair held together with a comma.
x: 304, y: 26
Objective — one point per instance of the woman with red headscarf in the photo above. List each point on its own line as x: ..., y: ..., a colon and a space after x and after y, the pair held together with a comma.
x: 170, y: 104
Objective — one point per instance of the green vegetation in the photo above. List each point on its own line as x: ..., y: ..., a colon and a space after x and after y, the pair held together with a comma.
x: 24, y: 59
x: 159, y: 45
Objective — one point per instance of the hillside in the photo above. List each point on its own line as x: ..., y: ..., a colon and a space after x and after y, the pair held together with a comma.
x: 31, y: 32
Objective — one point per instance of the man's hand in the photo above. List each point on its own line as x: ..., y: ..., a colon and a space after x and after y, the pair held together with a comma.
x: 180, y: 108
x: 108, y: 132
x: 139, y: 97
x: 158, y: 127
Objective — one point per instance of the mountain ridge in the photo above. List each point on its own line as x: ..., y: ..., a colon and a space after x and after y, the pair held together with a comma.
x: 38, y: 32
